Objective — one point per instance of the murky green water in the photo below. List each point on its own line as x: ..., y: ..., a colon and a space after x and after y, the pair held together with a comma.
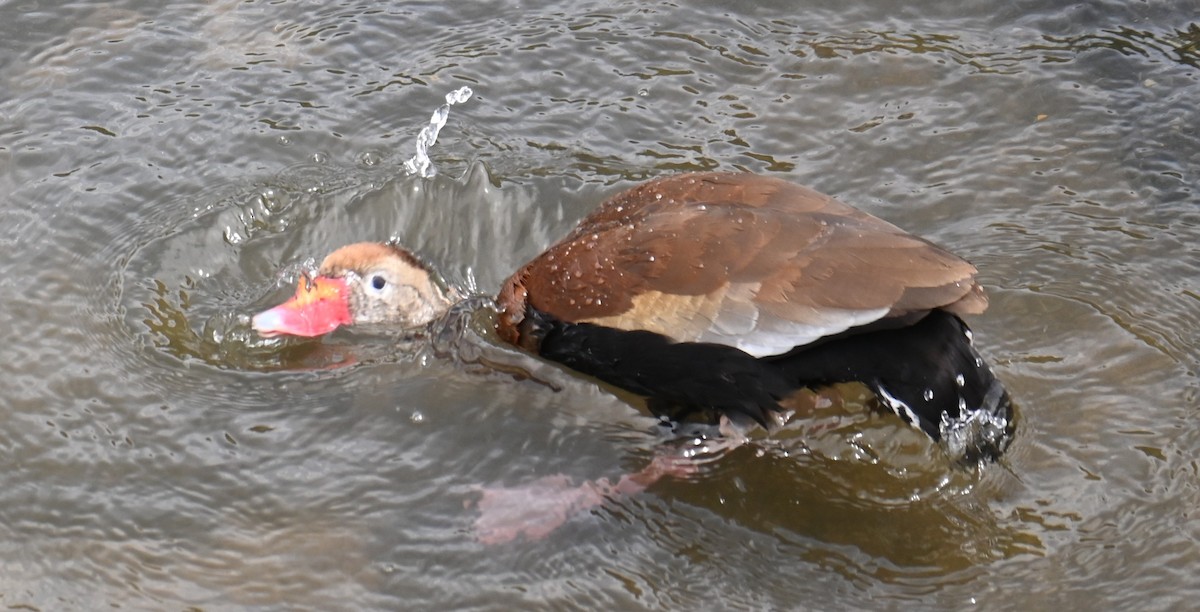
x: 164, y: 169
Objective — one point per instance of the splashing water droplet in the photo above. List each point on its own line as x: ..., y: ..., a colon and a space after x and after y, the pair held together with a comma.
x: 420, y: 163
x: 460, y: 95
x: 928, y: 395
x: 960, y: 379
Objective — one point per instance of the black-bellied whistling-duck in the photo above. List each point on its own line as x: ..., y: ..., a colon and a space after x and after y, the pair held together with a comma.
x: 713, y: 293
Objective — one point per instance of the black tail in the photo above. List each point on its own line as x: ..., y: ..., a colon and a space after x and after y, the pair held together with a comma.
x: 927, y: 373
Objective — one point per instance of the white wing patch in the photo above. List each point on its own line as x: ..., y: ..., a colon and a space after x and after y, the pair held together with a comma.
x: 771, y: 335
x: 730, y: 316
x: 737, y: 314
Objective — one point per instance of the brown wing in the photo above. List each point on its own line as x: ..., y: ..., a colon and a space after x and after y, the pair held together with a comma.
x: 742, y: 260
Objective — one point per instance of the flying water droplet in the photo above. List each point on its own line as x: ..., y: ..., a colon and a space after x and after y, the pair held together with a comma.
x: 460, y: 95
x: 420, y: 164
x: 928, y: 395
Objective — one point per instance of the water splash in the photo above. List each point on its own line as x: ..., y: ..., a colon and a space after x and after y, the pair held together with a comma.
x: 985, y: 432
x: 420, y: 163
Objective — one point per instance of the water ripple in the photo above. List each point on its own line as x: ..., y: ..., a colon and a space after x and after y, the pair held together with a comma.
x: 170, y: 168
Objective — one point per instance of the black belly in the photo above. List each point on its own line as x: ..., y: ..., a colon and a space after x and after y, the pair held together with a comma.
x: 925, y: 372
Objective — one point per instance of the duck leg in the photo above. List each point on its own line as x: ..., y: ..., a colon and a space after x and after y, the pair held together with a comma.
x: 534, y: 510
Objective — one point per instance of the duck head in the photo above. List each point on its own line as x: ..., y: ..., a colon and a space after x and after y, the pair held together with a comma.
x: 364, y: 283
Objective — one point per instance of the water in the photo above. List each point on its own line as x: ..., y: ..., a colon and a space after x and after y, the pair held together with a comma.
x: 167, y: 171
x: 420, y: 164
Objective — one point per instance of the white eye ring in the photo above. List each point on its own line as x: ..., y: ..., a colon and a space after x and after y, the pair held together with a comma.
x: 378, y: 282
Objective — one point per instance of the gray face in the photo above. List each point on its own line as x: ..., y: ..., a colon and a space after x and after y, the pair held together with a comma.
x: 388, y: 286
x: 388, y: 296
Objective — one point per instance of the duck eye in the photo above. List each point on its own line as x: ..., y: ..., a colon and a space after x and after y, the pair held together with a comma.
x: 378, y: 282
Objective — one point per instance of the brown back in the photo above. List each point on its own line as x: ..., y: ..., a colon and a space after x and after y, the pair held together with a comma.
x: 743, y: 260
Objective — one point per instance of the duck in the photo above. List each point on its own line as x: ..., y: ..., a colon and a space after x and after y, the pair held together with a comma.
x: 712, y: 295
